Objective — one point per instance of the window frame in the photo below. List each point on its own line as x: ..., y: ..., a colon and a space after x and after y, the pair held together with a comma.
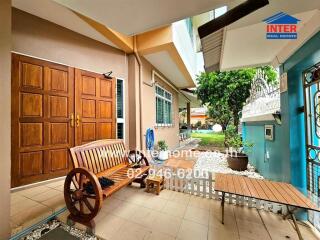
x: 165, y: 91
x: 121, y: 120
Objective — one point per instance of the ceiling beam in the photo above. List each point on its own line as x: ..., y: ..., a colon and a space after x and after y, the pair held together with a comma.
x: 231, y: 16
x: 122, y: 41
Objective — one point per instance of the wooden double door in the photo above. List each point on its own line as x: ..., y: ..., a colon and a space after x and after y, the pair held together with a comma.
x: 55, y: 107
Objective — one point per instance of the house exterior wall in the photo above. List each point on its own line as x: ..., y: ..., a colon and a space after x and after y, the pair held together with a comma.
x: 41, y: 39
x: 5, y: 109
x: 169, y: 133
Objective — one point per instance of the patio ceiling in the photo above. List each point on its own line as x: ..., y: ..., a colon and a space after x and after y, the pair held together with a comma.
x: 143, y: 15
x: 56, y: 13
x: 244, y: 44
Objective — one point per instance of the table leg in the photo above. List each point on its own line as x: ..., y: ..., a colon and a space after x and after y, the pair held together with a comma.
x: 295, y: 223
x: 222, y: 207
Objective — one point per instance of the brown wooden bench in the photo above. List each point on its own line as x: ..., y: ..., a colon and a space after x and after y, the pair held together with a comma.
x: 103, y: 158
x: 277, y: 192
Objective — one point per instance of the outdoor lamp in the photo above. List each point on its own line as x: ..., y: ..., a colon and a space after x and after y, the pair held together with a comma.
x: 107, y: 75
x: 277, y: 117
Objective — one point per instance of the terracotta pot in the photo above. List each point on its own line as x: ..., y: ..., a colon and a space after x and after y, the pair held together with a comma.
x: 239, y: 162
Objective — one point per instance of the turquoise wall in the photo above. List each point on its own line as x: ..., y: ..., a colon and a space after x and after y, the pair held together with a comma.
x: 305, y: 57
x: 268, y: 156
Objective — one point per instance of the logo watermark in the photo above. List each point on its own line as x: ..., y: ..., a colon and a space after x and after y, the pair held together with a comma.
x: 281, y: 26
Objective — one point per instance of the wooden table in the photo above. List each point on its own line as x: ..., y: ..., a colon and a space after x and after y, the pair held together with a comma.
x: 277, y: 192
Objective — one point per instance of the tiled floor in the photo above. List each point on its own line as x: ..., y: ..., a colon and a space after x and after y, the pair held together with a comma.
x: 32, y: 205
x: 132, y: 214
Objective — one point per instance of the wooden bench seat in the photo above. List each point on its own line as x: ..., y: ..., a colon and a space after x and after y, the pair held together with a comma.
x: 103, y: 158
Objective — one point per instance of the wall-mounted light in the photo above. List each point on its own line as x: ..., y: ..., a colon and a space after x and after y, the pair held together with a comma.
x: 277, y: 117
x: 107, y: 75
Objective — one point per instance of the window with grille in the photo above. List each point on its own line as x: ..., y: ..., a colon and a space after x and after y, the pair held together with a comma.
x: 120, y: 109
x: 163, y: 107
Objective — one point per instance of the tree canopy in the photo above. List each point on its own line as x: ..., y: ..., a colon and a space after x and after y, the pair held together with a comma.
x: 226, y: 92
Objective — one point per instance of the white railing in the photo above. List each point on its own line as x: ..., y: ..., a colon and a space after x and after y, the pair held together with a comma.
x: 261, y: 106
x: 264, y: 98
x: 204, y: 187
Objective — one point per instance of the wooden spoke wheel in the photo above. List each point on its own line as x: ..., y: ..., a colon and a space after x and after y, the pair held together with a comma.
x: 137, y: 157
x: 83, y: 206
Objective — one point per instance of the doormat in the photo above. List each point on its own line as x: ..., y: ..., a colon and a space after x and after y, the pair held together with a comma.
x: 55, y: 229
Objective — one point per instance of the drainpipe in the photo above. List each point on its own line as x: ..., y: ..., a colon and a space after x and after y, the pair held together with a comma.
x: 136, y: 54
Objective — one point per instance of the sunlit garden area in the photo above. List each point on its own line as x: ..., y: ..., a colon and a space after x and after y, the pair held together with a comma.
x: 210, y: 141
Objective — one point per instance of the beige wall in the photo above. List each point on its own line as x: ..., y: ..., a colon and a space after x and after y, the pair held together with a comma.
x: 5, y: 109
x: 41, y: 39
x: 169, y: 134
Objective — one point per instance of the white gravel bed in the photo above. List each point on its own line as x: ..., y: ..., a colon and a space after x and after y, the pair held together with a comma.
x: 217, y: 163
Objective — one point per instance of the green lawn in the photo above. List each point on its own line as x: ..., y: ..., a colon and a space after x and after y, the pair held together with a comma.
x: 210, y: 141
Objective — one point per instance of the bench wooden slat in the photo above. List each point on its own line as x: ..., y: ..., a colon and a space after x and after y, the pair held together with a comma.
x: 217, y: 182
x: 285, y: 195
x: 84, y: 159
x: 237, y: 186
x: 102, y: 157
x: 268, y: 193
x: 230, y: 184
x: 93, y: 161
x: 252, y: 188
x: 277, y: 195
x: 306, y: 201
x: 95, y: 155
x: 245, y: 189
x: 259, y: 189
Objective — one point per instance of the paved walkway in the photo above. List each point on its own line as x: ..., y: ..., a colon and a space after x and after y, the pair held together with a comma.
x: 132, y: 214
x: 34, y: 204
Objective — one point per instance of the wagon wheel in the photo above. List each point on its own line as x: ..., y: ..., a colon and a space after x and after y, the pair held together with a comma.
x: 137, y: 157
x: 83, y: 206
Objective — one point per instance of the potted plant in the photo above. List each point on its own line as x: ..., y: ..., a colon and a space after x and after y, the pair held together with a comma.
x: 163, y: 150
x: 237, y: 159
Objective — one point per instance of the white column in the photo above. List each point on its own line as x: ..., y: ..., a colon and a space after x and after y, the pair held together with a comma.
x: 5, y: 116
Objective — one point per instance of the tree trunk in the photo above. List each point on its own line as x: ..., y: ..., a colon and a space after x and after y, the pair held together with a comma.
x: 236, y: 121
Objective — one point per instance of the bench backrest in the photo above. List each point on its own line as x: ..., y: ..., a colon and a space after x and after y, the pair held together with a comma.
x: 99, y: 155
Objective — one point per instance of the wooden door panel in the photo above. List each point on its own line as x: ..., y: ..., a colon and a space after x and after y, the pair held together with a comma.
x: 88, y: 85
x: 58, y: 81
x: 104, y: 109
x: 31, y: 105
x: 106, y: 89
x: 104, y: 130
x: 59, y: 133
x: 59, y: 159
x: 59, y: 107
x: 95, y: 105
x: 32, y: 163
x: 88, y: 108
x: 32, y: 75
x: 31, y: 134
x: 42, y: 102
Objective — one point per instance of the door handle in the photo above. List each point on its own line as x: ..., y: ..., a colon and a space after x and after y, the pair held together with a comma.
x: 72, y: 120
x: 78, y: 120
